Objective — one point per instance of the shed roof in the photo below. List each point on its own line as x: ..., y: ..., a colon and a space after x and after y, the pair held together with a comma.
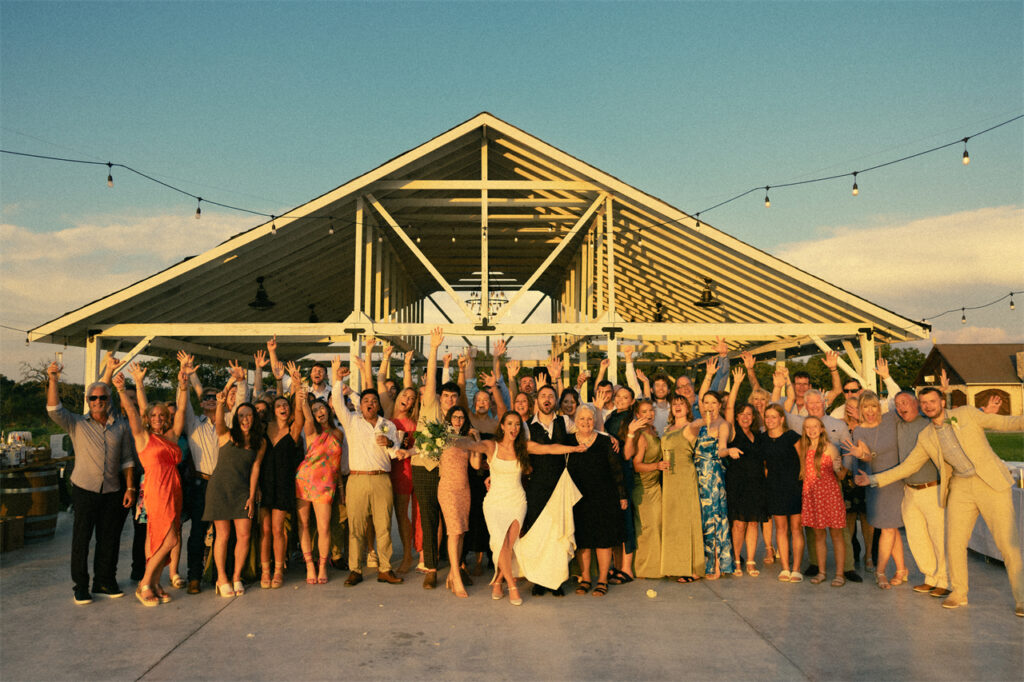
x: 974, y: 363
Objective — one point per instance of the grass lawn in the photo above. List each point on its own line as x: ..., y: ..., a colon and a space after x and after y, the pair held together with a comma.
x: 1009, y: 446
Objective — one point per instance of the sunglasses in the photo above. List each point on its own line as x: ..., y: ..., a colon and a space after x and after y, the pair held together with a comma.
x: 210, y: 396
x: 850, y: 390
x: 101, y: 398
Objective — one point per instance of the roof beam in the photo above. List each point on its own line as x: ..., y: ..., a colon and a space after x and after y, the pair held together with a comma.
x: 552, y: 256
x: 477, y: 185
x: 411, y: 245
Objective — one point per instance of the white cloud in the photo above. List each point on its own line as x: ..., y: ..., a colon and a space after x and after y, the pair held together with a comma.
x: 972, y: 335
x: 927, y: 262
x: 45, y: 274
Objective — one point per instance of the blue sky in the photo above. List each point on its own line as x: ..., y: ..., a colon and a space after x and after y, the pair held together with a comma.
x: 267, y: 105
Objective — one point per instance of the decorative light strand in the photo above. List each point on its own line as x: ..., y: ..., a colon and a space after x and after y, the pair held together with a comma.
x: 963, y: 309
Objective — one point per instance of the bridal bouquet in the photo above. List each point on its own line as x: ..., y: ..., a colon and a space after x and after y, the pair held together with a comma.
x: 432, y: 443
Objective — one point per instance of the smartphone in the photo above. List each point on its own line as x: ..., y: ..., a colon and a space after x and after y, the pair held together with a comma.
x: 59, y: 357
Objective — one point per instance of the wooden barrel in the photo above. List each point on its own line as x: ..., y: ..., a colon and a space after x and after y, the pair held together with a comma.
x: 34, y: 494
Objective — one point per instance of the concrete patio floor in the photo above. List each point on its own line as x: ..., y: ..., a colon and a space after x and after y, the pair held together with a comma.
x: 735, y: 628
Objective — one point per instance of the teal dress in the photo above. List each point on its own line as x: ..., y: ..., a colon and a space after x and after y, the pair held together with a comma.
x: 713, y: 510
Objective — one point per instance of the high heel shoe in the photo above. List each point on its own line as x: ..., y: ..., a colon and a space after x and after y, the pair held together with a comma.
x: 225, y: 590
x: 310, y: 568
x: 278, y: 580
x: 496, y: 592
x: 900, y: 577
x: 513, y: 596
x: 265, y: 575
x: 882, y: 581
x: 321, y: 577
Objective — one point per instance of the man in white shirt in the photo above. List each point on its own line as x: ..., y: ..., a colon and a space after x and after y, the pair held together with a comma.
x: 372, y: 443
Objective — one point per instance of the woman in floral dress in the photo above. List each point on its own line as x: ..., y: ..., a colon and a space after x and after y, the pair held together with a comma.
x: 316, y: 480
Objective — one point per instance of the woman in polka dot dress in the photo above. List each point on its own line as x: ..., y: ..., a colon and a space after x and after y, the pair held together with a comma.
x: 823, y: 505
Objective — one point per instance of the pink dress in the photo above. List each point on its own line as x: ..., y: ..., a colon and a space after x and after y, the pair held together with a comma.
x: 162, y: 490
x: 401, y: 470
x: 317, y: 475
x: 823, y: 505
x: 453, y: 490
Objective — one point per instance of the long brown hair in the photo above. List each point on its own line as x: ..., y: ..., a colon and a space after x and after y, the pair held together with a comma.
x: 679, y: 398
x: 804, y: 444
x: 519, y: 444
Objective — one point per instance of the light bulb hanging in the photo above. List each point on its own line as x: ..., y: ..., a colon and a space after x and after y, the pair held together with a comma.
x: 697, y: 226
x: 453, y: 235
x: 419, y: 235
x: 515, y: 238
x: 110, y: 174
x: 330, y: 228
x: 963, y: 316
x: 1012, y: 306
x: 856, y: 191
x: 967, y: 157
x: 273, y: 225
x: 199, y: 211
x: 767, y: 201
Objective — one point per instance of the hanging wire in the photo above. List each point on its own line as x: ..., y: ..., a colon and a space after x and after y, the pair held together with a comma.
x: 962, y: 309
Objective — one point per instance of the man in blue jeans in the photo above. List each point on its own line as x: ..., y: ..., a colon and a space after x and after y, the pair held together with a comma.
x: 202, y: 445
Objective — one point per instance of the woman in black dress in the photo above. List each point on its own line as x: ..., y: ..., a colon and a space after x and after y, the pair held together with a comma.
x: 785, y: 491
x: 277, y: 483
x: 598, y: 514
x: 744, y: 476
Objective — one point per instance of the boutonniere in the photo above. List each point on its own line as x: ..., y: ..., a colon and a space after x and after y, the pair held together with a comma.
x: 953, y: 422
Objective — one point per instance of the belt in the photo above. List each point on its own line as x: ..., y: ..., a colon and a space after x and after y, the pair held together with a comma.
x: 205, y: 477
x: 921, y: 486
x: 378, y: 472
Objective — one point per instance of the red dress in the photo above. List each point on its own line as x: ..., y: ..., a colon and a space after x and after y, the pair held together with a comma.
x: 401, y: 470
x: 162, y: 490
x: 823, y: 505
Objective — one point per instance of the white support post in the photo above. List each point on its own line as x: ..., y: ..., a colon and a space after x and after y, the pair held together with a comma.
x: 92, y: 364
x: 859, y: 376
x: 130, y: 355
x: 485, y: 274
x: 357, y: 284
x: 584, y: 347
x: 609, y: 229
x: 613, y: 360
x: 854, y: 358
x: 867, y: 360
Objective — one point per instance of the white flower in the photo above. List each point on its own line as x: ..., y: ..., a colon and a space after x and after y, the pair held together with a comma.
x: 439, y: 442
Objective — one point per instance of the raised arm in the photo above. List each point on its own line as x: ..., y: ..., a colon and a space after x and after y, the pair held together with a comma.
x: 307, y: 420
x: 645, y: 383
x: 490, y: 383
x: 463, y: 364
x: 387, y: 404
x: 138, y: 376
x: 730, y: 405
x: 891, y: 387
x: 430, y: 386
x: 748, y: 364
x: 631, y: 379
x: 299, y: 397
x: 337, y: 392
x: 512, y: 367
x: 52, y: 390
x: 555, y: 371
x: 132, y: 413
x: 709, y: 375
x: 407, y: 370
x: 602, y: 371
x: 259, y: 359
x: 366, y: 366
x: 722, y: 372
x: 831, y: 361
x: 181, y: 401
x: 193, y: 379
x: 110, y: 363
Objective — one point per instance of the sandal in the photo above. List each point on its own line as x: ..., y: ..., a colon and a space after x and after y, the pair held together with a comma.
x: 151, y: 600
x: 687, y: 579
x: 310, y: 568
x: 818, y: 579
x: 321, y: 577
x: 225, y: 590
x: 601, y: 590
x: 737, y: 572
x: 278, y: 580
x: 617, y: 577
x: 882, y: 581
x: 769, y: 556
x: 513, y: 596
x: 239, y: 588
x: 265, y: 575
x: 838, y: 581
x: 900, y: 577
x: 752, y: 569
x: 784, y: 576
x: 796, y: 577
x: 177, y: 582
x: 583, y: 586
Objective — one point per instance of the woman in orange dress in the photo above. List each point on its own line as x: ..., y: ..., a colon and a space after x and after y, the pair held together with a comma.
x: 316, y: 482
x: 156, y: 443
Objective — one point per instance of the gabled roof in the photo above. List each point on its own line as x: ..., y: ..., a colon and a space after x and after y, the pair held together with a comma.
x: 433, y: 191
x: 974, y: 363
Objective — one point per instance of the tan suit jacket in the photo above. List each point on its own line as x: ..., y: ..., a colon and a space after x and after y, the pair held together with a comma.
x: 969, y: 428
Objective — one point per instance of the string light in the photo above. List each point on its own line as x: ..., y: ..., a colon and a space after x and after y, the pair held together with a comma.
x: 767, y: 201
x: 856, y: 191
x: 963, y: 316
x: 697, y: 217
x: 199, y: 211
x: 1012, y: 306
x: 453, y: 235
x: 964, y: 140
x: 419, y: 233
x: 515, y: 238
x: 273, y: 225
x: 978, y: 307
x: 330, y: 229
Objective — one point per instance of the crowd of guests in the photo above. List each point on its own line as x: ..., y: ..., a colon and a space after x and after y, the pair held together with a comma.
x: 650, y: 479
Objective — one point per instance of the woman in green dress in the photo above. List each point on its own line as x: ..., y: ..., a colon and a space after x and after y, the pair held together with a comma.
x: 644, y: 447
x: 682, y: 532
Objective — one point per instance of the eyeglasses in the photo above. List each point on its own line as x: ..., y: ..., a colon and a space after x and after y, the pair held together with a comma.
x: 210, y: 396
x: 101, y: 398
x: 850, y: 390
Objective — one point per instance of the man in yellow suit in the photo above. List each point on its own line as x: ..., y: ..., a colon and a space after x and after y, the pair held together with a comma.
x: 973, y: 480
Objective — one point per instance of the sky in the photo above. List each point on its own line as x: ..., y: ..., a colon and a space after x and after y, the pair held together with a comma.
x: 267, y: 105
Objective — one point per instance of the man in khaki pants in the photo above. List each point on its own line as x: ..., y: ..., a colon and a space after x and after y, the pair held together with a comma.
x: 372, y: 444
x: 972, y: 480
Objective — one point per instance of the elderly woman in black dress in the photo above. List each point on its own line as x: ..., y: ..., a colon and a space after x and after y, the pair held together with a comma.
x: 598, y: 514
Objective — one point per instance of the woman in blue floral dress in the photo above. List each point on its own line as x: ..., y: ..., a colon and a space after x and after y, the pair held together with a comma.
x: 711, y: 436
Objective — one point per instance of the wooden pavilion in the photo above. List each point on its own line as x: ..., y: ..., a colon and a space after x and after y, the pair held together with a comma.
x: 370, y: 256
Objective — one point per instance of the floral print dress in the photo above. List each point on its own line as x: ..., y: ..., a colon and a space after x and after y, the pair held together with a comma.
x: 713, y: 510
